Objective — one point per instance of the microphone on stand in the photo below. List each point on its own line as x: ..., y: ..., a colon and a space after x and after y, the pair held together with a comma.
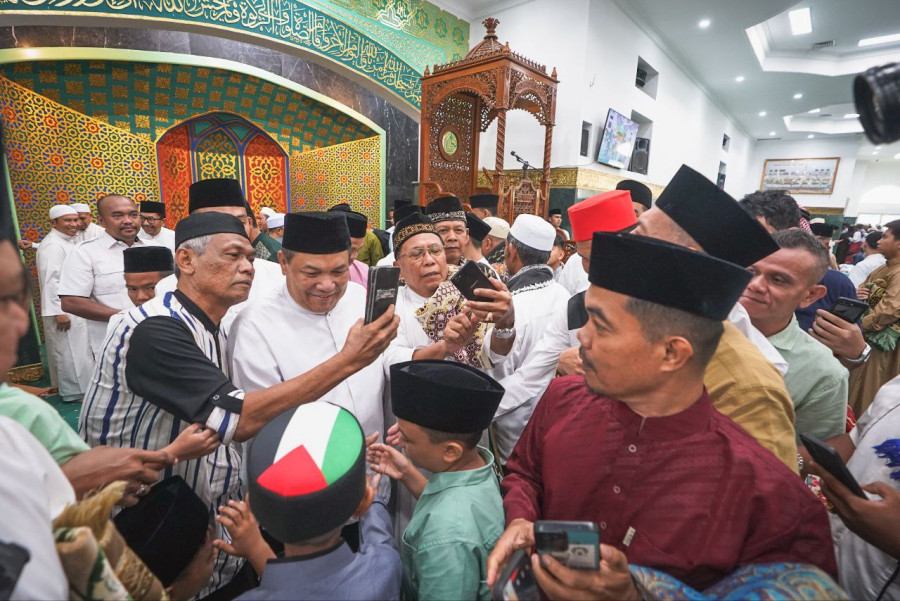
x: 525, y: 163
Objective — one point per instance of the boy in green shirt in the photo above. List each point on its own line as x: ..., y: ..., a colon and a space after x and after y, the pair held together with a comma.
x: 442, y: 408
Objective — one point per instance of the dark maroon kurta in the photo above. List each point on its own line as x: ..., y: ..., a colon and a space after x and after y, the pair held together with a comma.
x: 702, y: 496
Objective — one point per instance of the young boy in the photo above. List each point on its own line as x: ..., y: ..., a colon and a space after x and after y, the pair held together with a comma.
x: 307, y: 477
x: 442, y: 408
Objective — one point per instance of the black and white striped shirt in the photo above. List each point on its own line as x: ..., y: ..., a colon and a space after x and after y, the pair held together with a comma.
x: 163, y: 367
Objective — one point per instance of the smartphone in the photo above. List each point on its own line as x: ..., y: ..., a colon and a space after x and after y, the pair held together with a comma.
x: 825, y: 455
x: 574, y: 544
x: 468, y: 278
x: 382, y: 292
x: 849, y: 309
x: 12, y: 561
x: 516, y: 581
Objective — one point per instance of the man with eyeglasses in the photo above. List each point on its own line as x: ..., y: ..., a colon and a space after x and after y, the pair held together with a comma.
x: 92, y: 284
x: 153, y: 218
x: 432, y: 325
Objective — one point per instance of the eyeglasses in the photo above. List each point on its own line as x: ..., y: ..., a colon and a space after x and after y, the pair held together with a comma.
x: 417, y: 254
x: 151, y: 220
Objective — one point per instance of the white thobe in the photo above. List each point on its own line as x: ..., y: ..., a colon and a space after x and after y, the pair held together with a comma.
x: 574, y: 278
x: 534, y: 310
x: 274, y: 339
x: 89, y: 233
x: 33, y: 492
x: 68, y: 352
x: 95, y: 269
x: 165, y: 237
x: 268, y: 279
x: 860, y: 272
x: 387, y: 261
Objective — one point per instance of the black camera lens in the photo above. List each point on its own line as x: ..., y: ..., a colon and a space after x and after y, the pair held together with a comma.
x: 877, y: 96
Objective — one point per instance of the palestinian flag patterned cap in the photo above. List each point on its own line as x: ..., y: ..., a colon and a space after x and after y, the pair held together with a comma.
x: 307, y: 471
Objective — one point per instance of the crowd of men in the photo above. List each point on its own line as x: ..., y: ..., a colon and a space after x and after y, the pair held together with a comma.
x: 261, y: 440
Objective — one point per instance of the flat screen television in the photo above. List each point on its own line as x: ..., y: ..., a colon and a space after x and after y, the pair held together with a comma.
x: 617, y: 143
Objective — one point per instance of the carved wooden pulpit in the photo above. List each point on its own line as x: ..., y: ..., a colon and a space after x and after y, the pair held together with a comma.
x: 460, y: 100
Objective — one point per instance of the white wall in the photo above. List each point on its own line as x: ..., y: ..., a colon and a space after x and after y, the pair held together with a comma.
x: 595, y: 47
x: 880, y: 189
x: 845, y: 148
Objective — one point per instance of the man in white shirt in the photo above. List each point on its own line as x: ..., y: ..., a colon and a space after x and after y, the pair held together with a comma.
x: 873, y: 260
x: 88, y: 230
x: 536, y: 296
x: 153, y: 218
x: 224, y: 195
x: 92, y: 285
x: 68, y: 349
x: 276, y: 226
x: 320, y: 305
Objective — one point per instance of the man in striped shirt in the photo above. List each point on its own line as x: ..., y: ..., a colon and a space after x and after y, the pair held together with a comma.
x: 165, y: 366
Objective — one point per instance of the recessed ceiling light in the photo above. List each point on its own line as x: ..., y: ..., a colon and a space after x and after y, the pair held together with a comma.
x: 810, y: 136
x: 875, y: 152
x: 882, y: 39
x: 771, y: 133
x: 815, y: 110
x: 801, y: 23
x: 703, y: 24
x: 878, y: 148
x: 739, y: 78
x: 851, y: 116
x: 897, y: 156
x: 762, y: 113
x: 798, y: 96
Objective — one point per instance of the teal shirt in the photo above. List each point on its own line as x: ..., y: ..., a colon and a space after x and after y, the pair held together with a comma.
x: 817, y: 382
x: 266, y: 247
x: 43, y: 421
x: 457, y: 520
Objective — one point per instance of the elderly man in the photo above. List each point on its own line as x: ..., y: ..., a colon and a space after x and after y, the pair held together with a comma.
x: 319, y: 304
x: 68, y: 350
x: 224, y: 195
x: 167, y: 366
x: 92, y: 285
x: 449, y: 219
x: 264, y: 245
x: 787, y: 279
x: 636, y: 446
x: 276, y: 227
x: 263, y: 218
x: 435, y: 322
x: 88, y: 230
x: 535, y: 297
x: 153, y: 229
x: 493, y: 243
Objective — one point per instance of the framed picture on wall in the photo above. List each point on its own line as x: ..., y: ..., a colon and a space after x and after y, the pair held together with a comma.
x: 800, y: 176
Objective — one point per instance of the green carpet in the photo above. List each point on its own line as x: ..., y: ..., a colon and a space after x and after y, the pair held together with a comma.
x: 69, y: 411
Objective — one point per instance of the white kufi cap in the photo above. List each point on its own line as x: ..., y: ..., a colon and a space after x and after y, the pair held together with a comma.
x: 533, y: 231
x: 80, y: 207
x: 275, y: 221
x: 268, y: 212
x: 57, y: 211
x: 499, y: 227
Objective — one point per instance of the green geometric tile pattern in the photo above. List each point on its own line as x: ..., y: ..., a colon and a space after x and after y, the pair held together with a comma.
x: 146, y: 99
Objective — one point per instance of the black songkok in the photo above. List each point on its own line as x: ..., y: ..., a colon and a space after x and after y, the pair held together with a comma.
x: 639, y: 192
x: 401, y: 202
x: 144, y: 259
x: 151, y: 206
x: 218, y: 192
x: 484, y: 201
x: 670, y: 275
x: 409, y: 226
x: 478, y: 229
x: 445, y: 208
x: 822, y: 229
x: 356, y: 224
x: 444, y: 396
x: 714, y: 219
x: 166, y: 528
x: 207, y: 224
x: 405, y: 211
x: 316, y: 233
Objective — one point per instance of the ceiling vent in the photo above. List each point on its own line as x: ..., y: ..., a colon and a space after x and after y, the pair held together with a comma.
x: 823, y: 45
x: 824, y: 115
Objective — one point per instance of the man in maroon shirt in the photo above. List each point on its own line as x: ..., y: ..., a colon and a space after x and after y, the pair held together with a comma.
x: 636, y: 446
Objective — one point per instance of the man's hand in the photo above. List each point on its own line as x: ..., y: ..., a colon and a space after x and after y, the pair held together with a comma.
x: 25, y: 244
x: 63, y: 323
x: 101, y: 465
x: 366, y: 342
x: 518, y: 535
x: 863, y: 292
x: 874, y: 521
x: 459, y: 330
x: 611, y: 581
x: 570, y: 362
x: 843, y: 338
x: 499, y: 309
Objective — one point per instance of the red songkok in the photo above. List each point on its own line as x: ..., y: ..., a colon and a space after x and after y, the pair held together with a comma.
x: 608, y: 212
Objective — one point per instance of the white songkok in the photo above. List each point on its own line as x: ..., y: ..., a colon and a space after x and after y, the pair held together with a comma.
x: 80, y: 207
x: 534, y: 232
x: 499, y: 227
x: 275, y: 221
x: 57, y: 211
x: 268, y: 212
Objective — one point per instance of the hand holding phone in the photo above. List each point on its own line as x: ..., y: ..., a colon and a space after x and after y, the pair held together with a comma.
x: 825, y: 455
x: 382, y: 293
x: 516, y: 581
x: 469, y: 278
x: 849, y: 309
x: 574, y: 544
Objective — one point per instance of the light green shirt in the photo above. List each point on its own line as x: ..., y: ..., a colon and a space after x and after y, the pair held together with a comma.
x: 43, y: 421
x: 371, y: 251
x: 457, y: 520
x: 816, y: 381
